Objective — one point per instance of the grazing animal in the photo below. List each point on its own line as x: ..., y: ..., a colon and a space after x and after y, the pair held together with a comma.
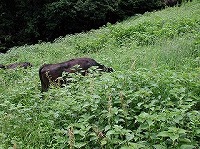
x: 20, y: 65
x: 51, y: 73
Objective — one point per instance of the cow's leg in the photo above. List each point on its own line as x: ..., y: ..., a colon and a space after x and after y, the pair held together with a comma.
x: 44, y: 87
x: 45, y: 84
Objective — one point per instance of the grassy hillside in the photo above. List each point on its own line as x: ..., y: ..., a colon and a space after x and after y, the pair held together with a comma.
x: 152, y: 100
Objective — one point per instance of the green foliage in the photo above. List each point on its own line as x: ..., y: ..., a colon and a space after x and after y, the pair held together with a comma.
x: 147, y: 32
x: 151, y: 100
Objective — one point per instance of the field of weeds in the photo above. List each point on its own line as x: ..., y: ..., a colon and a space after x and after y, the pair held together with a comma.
x: 151, y: 100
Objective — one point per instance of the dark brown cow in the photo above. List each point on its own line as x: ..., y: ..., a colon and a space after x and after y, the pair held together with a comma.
x: 19, y: 65
x: 50, y: 73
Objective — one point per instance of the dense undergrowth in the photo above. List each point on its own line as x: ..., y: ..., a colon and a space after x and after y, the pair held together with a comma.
x: 152, y: 100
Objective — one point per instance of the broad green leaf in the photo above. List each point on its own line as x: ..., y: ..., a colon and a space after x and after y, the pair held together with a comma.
x: 133, y: 146
x: 103, y: 142
x: 173, y: 136
x: 144, y: 126
x: 185, y: 146
x: 139, y: 104
x: 158, y: 146
x: 129, y: 136
x: 198, y: 131
x: 181, y: 131
x: 178, y: 118
x: 79, y: 144
x: 115, y: 110
x: 163, y: 134
x: 107, y: 127
x: 172, y: 129
x: 185, y: 140
x: 110, y: 132
x: 125, y: 147
x: 136, y: 145
x: 150, y: 122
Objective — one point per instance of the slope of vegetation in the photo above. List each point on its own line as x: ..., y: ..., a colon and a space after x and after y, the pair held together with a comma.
x: 152, y: 100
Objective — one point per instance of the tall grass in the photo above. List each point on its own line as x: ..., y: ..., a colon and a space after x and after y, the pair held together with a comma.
x: 150, y: 101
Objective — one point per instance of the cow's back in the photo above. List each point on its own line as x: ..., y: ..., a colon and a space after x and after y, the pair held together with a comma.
x: 84, y: 63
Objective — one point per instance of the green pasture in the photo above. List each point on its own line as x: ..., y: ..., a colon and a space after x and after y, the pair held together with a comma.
x: 150, y: 101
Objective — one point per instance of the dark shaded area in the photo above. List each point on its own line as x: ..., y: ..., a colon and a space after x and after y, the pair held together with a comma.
x: 29, y: 21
